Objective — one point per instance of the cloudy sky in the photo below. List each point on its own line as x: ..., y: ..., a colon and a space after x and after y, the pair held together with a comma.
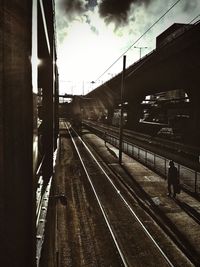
x: 92, y: 34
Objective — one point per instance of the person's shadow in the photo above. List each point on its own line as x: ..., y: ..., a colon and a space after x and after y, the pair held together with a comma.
x: 195, y: 215
x: 111, y: 152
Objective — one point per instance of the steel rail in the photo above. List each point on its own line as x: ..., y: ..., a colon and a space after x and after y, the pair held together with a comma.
x: 97, y: 198
x: 161, y: 170
x: 122, y: 197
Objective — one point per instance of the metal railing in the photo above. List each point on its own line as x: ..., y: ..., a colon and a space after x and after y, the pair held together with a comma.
x: 190, y: 179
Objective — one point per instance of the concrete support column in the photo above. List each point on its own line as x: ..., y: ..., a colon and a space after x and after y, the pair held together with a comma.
x: 134, y: 112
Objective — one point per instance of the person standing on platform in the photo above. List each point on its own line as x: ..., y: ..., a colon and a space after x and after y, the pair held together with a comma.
x: 173, y: 179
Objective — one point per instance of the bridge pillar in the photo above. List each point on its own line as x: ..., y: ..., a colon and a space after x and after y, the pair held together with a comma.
x: 134, y: 112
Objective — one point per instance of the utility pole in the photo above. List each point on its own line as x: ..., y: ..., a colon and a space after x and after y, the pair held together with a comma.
x: 140, y: 47
x: 83, y: 88
x: 122, y: 111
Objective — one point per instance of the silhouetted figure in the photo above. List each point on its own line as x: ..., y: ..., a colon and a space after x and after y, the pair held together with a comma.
x: 173, y: 179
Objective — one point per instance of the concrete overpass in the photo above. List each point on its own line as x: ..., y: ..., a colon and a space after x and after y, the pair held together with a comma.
x: 174, y: 64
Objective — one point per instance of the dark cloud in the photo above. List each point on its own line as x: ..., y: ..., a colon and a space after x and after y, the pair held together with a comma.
x: 190, y: 5
x: 87, y: 19
x: 117, y: 11
x: 92, y: 27
x: 69, y: 10
x: 62, y: 27
x: 71, y: 7
x: 66, y: 12
x: 91, y: 4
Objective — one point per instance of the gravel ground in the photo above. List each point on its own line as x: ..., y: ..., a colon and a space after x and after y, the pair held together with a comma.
x: 76, y: 235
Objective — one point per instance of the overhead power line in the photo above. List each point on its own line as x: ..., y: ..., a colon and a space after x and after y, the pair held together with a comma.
x: 194, y: 18
x: 139, y: 38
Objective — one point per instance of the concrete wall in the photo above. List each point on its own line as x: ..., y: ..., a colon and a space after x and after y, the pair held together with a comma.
x: 17, y: 246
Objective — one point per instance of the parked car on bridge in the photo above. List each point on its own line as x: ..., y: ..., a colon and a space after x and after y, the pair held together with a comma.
x: 169, y: 133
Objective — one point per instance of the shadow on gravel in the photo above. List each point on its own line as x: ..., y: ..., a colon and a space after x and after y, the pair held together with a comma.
x: 164, y: 221
x: 189, y: 210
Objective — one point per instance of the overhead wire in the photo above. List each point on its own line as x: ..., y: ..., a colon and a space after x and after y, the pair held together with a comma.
x: 138, y: 39
x: 194, y: 19
x: 144, y: 61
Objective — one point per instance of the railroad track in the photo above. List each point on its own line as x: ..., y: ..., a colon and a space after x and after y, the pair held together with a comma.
x: 153, y: 157
x: 134, y: 189
x: 147, y: 141
x: 128, y: 222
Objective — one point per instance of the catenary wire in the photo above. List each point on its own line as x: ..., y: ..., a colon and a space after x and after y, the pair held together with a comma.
x: 139, y: 39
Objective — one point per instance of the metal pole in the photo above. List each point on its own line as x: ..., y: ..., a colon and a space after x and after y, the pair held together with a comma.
x: 140, y: 47
x: 122, y: 111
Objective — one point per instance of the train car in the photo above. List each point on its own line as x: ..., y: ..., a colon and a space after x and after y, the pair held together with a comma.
x: 28, y: 121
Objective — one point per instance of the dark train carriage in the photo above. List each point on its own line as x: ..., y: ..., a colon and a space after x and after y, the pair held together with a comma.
x: 76, y: 122
x: 27, y: 63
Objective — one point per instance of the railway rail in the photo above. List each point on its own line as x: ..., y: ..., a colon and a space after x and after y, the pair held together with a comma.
x: 157, y: 159
x: 192, y: 153
x: 189, y: 211
x: 128, y: 223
